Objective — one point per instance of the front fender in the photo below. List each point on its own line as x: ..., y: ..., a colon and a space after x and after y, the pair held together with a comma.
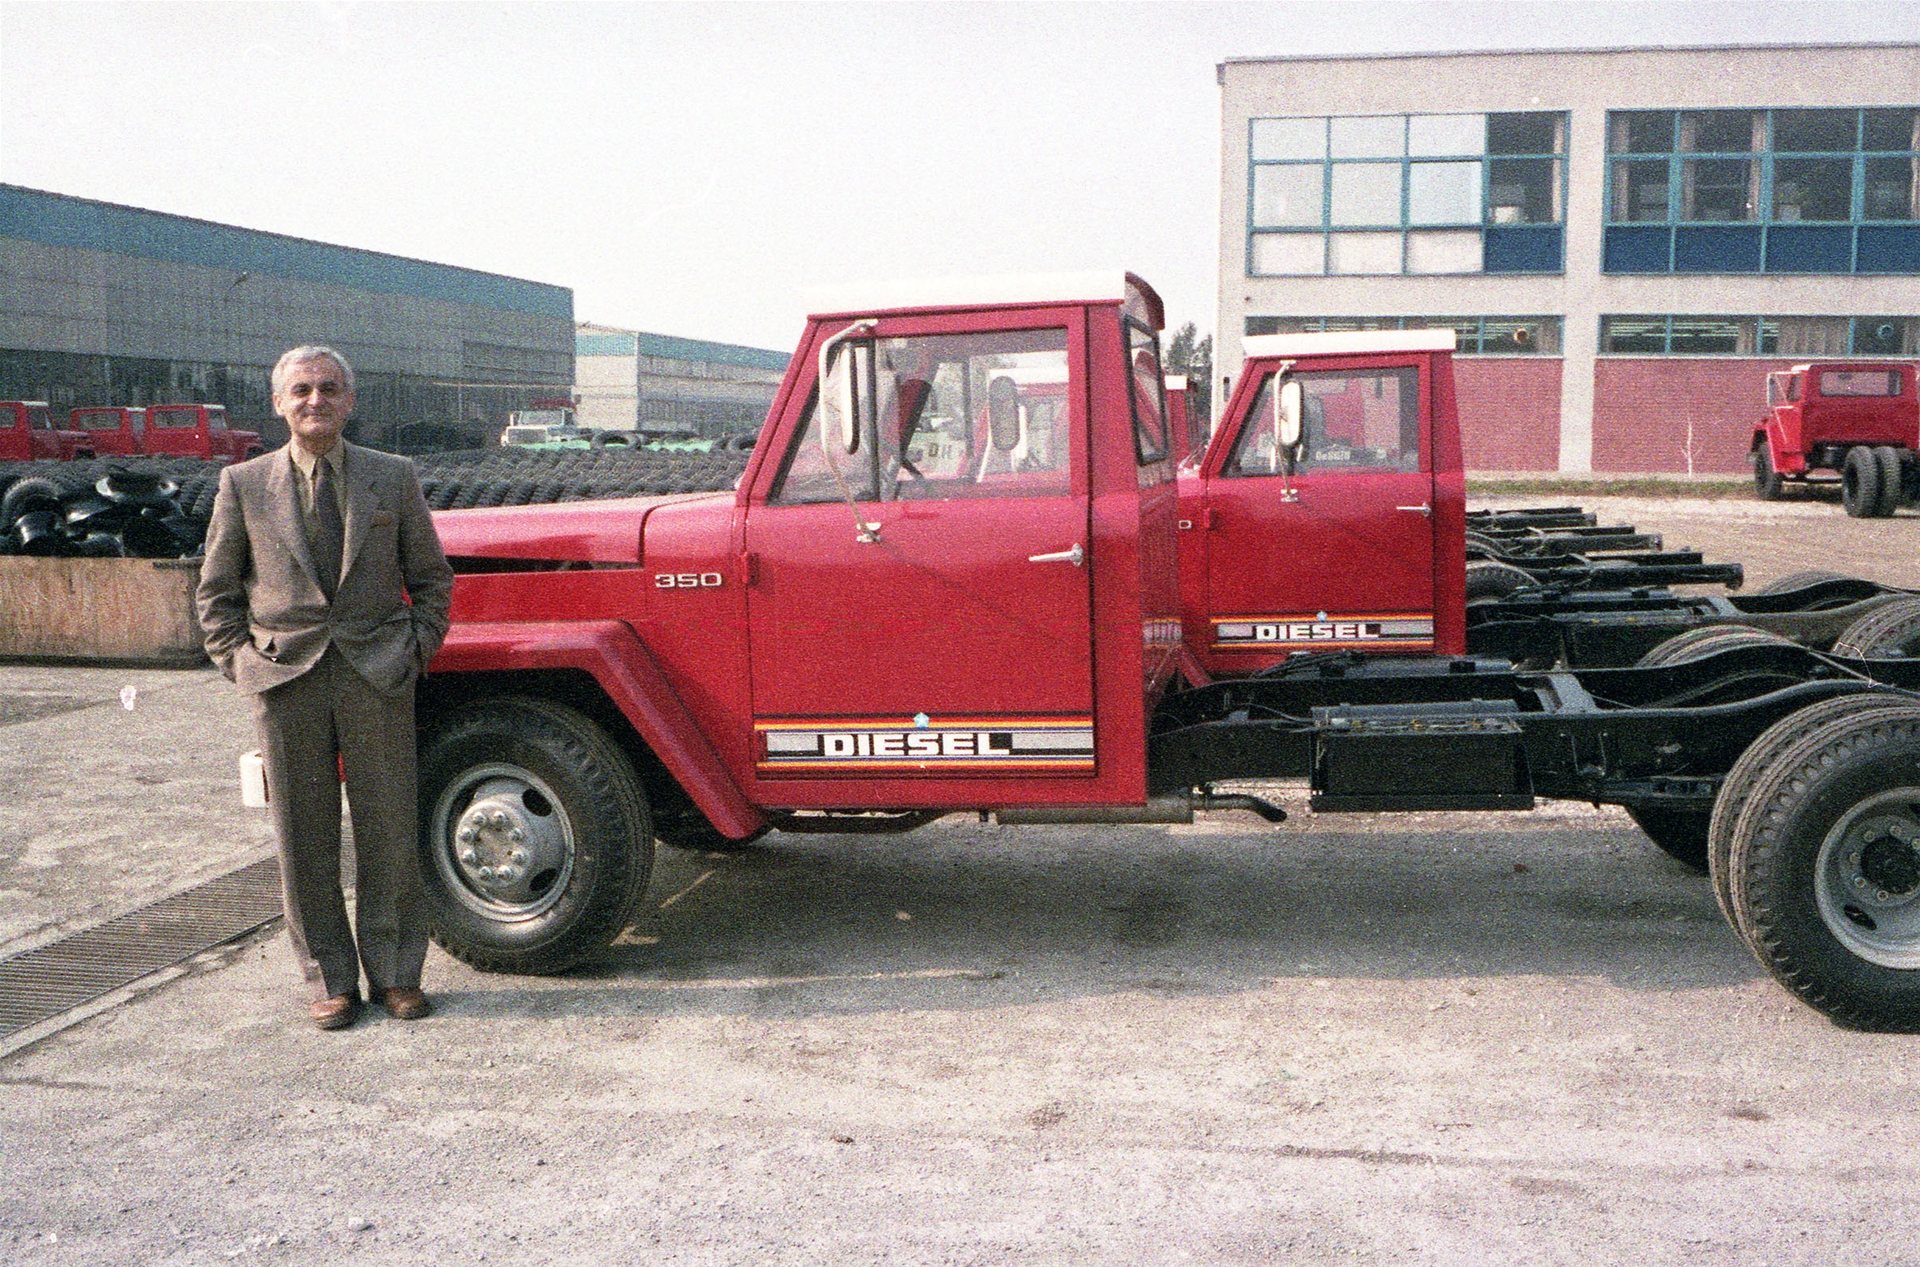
x: 614, y: 656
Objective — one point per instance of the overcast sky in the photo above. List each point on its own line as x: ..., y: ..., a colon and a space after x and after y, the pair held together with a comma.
x: 693, y: 169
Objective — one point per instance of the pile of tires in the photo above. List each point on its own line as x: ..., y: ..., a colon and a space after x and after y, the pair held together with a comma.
x: 106, y: 509
x: 522, y: 477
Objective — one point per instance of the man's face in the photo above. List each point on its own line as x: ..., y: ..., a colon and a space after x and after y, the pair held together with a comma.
x: 315, y: 401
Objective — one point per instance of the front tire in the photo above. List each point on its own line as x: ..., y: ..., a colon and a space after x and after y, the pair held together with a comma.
x: 1826, y: 873
x: 535, y: 839
x: 1767, y: 483
x: 1680, y: 833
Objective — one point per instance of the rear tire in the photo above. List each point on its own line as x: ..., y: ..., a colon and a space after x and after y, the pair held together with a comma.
x: 535, y: 842
x: 1489, y: 581
x: 1892, y: 630
x: 1736, y: 790
x: 1826, y: 874
x: 1767, y: 483
x: 1891, y: 478
x: 1698, y: 644
x: 1860, y: 483
x: 1799, y: 580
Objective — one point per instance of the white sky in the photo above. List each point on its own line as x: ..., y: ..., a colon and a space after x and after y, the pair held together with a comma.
x: 693, y: 169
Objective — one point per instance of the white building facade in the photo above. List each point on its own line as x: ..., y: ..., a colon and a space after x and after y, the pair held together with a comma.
x: 1627, y: 240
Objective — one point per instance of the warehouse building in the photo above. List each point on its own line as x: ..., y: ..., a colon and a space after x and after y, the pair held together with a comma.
x: 630, y: 380
x: 1626, y: 240
x: 102, y: 304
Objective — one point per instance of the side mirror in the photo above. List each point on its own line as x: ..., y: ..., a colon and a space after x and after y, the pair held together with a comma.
x: 1003, y: 413
x: 1287, y: 413
x: 839, y: 397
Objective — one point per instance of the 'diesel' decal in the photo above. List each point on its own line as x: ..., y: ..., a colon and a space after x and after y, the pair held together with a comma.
x: 1321, y: 631
x: 924, y: 745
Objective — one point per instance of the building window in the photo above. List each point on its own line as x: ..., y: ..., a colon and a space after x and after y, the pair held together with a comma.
x: 1763, y: 191
x: 1478, y: 336
x: 1672, y: 335
x: 1406, y: 194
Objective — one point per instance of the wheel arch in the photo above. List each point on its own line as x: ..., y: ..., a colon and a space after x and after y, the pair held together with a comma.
x: 602, y: 669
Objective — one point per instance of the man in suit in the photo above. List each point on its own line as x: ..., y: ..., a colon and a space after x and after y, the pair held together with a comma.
x: 323, y: 595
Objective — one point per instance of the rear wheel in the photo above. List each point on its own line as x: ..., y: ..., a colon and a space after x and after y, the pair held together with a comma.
x: 1891, y: 479
x: 1860, y: 483
x: 1736, y: 790
x: 1799, y: 580
x: 1766, y: 481
x: 534, y: 835
x: 1886, y: 631
x: 1826, y: 872
x: 1698, y: 644
x: 1489, y: 581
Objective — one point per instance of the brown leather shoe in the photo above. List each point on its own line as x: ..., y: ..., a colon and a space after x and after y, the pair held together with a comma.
x: 405, y: 1003
x: 337, y: 1012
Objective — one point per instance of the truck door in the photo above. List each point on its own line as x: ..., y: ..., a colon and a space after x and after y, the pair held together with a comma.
x: 1339, y: 552
x: 919, y: 603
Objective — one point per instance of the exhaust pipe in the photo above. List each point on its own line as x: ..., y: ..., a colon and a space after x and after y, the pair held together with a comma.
x: 1178, y: 808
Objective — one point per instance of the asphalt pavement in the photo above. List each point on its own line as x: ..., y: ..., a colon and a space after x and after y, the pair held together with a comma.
x: 1433, y: 1039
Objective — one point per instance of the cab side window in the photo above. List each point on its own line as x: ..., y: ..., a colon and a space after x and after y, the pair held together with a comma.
x: 938, y: 417
x: 1353, y: 421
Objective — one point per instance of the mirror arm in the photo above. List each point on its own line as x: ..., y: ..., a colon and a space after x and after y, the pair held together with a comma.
x: 862, y: 531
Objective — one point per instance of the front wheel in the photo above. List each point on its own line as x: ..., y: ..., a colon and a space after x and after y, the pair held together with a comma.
x: 1826, y: 872
x: 534, y: 835
x: 1766, y: 481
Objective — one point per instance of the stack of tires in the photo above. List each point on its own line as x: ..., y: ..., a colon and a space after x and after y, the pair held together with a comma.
x: 138, y: 508
x: 519, y: 477
x: 1877, y: 480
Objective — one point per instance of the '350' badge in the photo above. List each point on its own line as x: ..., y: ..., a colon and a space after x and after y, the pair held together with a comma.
x: 687, y: 580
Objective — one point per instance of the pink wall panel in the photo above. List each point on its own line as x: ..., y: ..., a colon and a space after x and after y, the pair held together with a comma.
x: 1509, y: 412
x: 1650, y: 413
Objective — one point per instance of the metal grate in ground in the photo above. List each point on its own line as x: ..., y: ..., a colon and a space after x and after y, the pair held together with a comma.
x: 52, y: 979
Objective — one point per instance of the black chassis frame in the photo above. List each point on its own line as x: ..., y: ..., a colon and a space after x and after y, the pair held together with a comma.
x: 1378, y: 734
x: 1612, y: 627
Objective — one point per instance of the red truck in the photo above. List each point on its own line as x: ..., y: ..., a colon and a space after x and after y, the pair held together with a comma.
x: 198, y: 431
x: 1860, y: 418
x: 893, y: 617
x: 115, y: 430
x: 27, y: 434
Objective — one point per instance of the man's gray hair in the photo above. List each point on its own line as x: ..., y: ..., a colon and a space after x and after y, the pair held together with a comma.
x: 308, y: 352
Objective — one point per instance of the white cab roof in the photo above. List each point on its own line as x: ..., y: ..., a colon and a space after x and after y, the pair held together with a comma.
x: 1334, y: 342
x: 968, y: 292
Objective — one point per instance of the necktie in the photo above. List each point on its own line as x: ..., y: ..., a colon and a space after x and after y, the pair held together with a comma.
x: 329, y: 530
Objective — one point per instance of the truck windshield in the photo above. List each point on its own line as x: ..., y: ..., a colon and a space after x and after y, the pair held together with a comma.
x: 1354, y: 420
x: 1859, y: 383
x: 945, y: 416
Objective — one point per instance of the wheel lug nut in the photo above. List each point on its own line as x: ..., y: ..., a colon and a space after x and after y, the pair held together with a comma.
x: 516, y: 835
x: 498, y: 818
x: 518, y: 857
x: 467, y: 834
x: 486, y: 873
x: 468, y: 858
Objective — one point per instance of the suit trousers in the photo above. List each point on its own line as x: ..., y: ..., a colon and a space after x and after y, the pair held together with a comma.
x: 302, y: 725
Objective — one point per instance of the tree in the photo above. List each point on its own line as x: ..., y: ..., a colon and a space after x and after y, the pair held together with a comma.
x: 1192, y: 355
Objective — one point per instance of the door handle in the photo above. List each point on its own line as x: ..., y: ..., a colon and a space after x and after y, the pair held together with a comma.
x: 1075, y: 556
x: 1423, y: 508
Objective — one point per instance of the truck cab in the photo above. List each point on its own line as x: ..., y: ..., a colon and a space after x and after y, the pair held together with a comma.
x: 1859, y: 418
x: 114, y: 430
x: 199, y: 431
x: 27, y: 434
x: 1352, y: 538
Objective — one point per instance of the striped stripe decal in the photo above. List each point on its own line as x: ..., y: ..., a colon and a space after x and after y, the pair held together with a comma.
x: 924, y: 745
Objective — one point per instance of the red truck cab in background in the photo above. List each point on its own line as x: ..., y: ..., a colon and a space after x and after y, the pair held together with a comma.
x: 1860, y: 418
x: 1358, y: 543
x: 27, y: 434
x: 115, y: 430
x: 198, y: 431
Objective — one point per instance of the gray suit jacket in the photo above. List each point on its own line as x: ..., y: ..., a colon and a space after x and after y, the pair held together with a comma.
x: 264, y: 616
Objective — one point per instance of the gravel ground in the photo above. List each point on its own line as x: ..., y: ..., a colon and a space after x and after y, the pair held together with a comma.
x: 1433, y: 1039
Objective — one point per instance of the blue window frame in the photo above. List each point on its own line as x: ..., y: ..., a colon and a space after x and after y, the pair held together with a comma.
x: 1763, y: 191
x: 1406, y: 194
x: 1669, y: 334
